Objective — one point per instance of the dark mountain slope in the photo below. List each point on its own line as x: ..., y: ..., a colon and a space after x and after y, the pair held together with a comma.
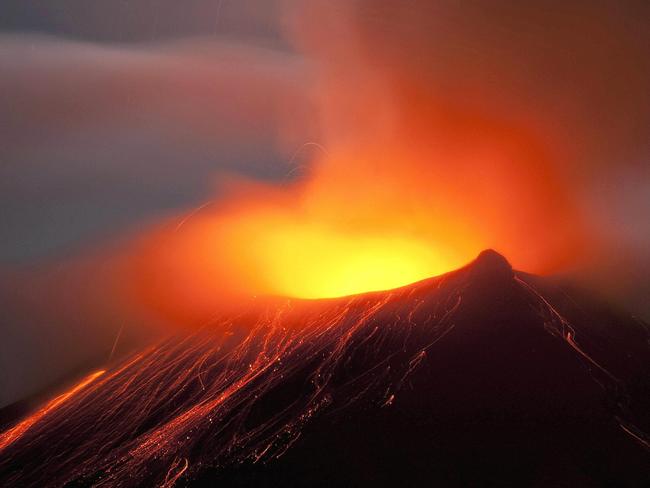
x: 480, y: 377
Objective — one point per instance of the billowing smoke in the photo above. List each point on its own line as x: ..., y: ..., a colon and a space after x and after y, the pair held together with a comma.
x: 543, y: 105
x: 547, y: 96
x: 445, y: 128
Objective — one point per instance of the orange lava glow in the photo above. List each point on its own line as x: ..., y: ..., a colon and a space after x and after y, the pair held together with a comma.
x: 386, y: 209
x: 358, y: 224
x: 10, y: 436
x: 344, y: 264
x: 280, y: 251
x: 299, y: 241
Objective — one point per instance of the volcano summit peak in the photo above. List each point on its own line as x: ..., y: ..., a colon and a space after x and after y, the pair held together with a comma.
x: 490, y: 264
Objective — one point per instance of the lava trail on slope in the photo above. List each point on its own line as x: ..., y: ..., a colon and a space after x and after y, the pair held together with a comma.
x: 480, y: 376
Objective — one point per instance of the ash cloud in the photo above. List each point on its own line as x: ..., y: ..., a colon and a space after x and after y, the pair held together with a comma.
x: 573, y: 75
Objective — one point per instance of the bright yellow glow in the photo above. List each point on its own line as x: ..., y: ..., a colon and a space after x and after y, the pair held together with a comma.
x: 316, y: 262
x: 277, y: 249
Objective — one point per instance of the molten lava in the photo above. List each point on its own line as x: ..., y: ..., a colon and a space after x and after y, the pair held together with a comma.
x: 11, y: 435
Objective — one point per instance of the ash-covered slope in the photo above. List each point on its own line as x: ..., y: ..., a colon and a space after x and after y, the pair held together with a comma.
x: 480, y: 377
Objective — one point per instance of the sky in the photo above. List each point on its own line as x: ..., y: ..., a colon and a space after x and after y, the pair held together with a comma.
x: 516, y: 125
x: 93, y: 96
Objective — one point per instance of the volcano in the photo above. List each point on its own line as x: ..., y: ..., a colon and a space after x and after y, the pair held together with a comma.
x: 484, y: 376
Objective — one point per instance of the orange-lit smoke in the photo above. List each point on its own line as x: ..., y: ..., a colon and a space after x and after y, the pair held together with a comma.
x: 367, y: 219
x: 414, y: 179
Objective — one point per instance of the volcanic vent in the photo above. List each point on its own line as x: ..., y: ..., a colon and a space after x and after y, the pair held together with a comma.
x: 483, y: 375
